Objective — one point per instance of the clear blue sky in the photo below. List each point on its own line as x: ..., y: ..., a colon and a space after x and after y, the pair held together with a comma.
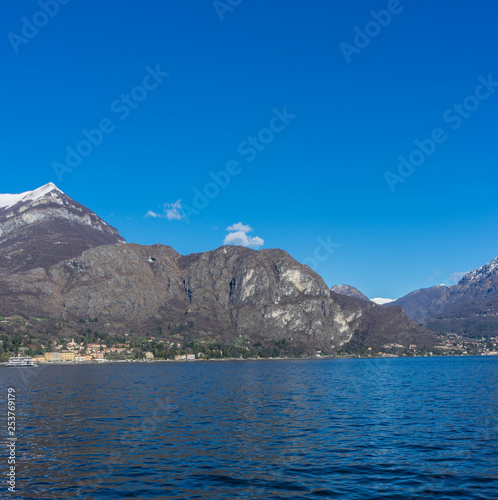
x: 355, y: 109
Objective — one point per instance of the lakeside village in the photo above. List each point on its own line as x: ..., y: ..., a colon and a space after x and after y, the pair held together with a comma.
x: 21, y: 337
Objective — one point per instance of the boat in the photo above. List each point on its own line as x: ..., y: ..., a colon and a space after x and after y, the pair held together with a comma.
x: 20, y: 361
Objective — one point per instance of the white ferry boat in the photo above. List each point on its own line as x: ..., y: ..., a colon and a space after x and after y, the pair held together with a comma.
x: 20, y: 361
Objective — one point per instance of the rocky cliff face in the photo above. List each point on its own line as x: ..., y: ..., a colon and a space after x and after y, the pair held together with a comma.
x: 42, y: 227
x: 226, y: 293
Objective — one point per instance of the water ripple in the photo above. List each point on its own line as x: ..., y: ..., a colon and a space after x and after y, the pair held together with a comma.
x: 423, y: 428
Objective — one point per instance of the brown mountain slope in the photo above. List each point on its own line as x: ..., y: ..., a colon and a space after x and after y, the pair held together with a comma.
x: 228, y: 292
x: 224, y: 294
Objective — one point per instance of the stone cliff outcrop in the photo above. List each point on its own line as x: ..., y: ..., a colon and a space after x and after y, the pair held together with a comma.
x: 227, y: 292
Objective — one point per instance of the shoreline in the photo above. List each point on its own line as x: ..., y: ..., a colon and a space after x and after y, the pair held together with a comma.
x: 175, y: 361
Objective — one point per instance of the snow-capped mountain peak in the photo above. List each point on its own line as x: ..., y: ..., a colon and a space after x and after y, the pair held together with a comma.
x: 481, y: 273
x: 9, y: 200
x: 42, y: 227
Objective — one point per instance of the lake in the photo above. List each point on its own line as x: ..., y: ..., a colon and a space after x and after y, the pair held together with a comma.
x: 400, y: 428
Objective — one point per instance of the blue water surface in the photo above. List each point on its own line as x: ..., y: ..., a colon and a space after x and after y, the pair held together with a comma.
x: 404, y: 428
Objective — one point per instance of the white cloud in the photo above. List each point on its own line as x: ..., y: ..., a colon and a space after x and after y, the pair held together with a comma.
x: 241, y: 238
x: 457, y: 276
x: 240, y: 227
x: 172, y: 211
x: 237, y: 235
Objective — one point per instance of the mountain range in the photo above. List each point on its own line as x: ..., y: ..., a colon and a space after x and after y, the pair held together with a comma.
x: 470, y: 307
x: 59, y: 260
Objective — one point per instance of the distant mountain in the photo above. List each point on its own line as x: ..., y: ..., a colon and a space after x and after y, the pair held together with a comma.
x: 377, y: 325
x: 351, y: 291
x: 42, y: 227
x: 380, y: 301
x: 57, y: 263
x: 419, y: 304
x: 470, y: 307
x: 348, y: 290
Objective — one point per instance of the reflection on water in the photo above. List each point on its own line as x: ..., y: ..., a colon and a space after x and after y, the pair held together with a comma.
x: 352, y: 429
